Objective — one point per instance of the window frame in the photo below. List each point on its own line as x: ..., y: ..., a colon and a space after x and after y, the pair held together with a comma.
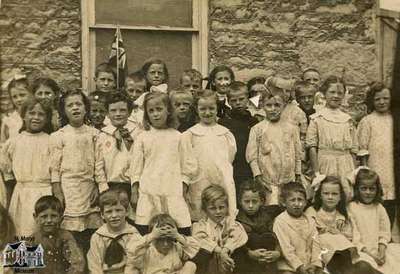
x: 199, y: 32
x: 383, y: 14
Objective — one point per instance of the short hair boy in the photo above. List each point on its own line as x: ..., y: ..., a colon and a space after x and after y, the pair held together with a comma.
x: 105, y: 78
x: 62, y: 252
x: 183, y: 105
x: 98, y: 111
x: 300, y: 254
x: 262, y: 242
x: 239, y: 121
x: 115, y: 143
x: 305, y: 94
x: 313, y: 76
x: 111, y: 242
x: 192, y: 80
x: 135, y: 87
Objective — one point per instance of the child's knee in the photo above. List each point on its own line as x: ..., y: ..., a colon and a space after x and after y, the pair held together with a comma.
x: 188, y: 268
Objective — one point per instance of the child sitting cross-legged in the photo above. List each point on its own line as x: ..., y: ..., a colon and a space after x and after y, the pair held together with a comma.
x: 110, y: 243
x: 164, y: 249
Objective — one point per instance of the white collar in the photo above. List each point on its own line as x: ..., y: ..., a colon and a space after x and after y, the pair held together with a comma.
x: 105, y: 232
x: 201, y: 130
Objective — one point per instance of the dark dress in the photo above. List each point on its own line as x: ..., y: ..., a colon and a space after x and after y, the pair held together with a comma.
x: 240, y: 123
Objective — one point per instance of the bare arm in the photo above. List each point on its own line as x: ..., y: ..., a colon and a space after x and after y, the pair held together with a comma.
x: 314, y: 159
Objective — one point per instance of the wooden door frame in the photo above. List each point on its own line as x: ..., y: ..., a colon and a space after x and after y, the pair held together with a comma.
x: 383, y: 14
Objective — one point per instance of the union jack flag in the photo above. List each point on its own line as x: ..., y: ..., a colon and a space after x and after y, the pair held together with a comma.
x: 118, y: 58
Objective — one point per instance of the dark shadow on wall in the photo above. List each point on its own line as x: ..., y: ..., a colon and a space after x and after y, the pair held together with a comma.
x: 396, y: 118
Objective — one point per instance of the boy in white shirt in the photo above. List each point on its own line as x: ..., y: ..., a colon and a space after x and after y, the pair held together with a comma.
x: 115, y: 142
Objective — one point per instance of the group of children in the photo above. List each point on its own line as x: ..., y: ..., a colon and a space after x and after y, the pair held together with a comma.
x: 235, y: 178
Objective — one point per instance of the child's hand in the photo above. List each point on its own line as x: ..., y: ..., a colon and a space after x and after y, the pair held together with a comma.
x: 227, y: 263
x: 375, y: 257
x: 381, y: 257
x: 155, y: 234
x: 173, y: 233
x: 259, y: 179
x: 93, y: 197
x: 272, y: 256
x: 302, y: 270
x: 134, y: 195
x: 332, y: 230
x: 318, y: 270
x: 311, y: 269
x: 257, y: 254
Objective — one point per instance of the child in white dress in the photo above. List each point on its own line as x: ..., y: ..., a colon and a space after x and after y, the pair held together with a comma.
x: 19, y: 92
x: 331, y: 135
x: 274, y: 148
x: 160, y: 172
x: 336, y: 232
x: 375, y: 137
x: 27, y: 161
x: 373, y: 223
x: 214, y: 147
x: 73, y: 168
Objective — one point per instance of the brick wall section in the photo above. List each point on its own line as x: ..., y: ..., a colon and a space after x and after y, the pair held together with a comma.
x: 41, y: 37
x: 268, y: 36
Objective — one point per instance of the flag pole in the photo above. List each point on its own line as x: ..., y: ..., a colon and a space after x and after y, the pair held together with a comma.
x: 117, y: 57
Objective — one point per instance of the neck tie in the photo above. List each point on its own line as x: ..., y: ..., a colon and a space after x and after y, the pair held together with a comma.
x: 115, y: 252
x: 123, y: 135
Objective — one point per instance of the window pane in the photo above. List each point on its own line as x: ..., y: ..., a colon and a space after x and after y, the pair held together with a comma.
x: 174, y: 13
x: 390, y: 5
x: 174, y: 48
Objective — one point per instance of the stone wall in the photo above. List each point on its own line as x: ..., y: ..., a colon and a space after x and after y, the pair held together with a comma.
x: 41, y: 37
x: 253, y: 36
x: 284, y: 37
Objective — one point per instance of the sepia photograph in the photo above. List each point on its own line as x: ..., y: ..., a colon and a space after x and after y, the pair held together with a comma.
x: 200, y: 136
